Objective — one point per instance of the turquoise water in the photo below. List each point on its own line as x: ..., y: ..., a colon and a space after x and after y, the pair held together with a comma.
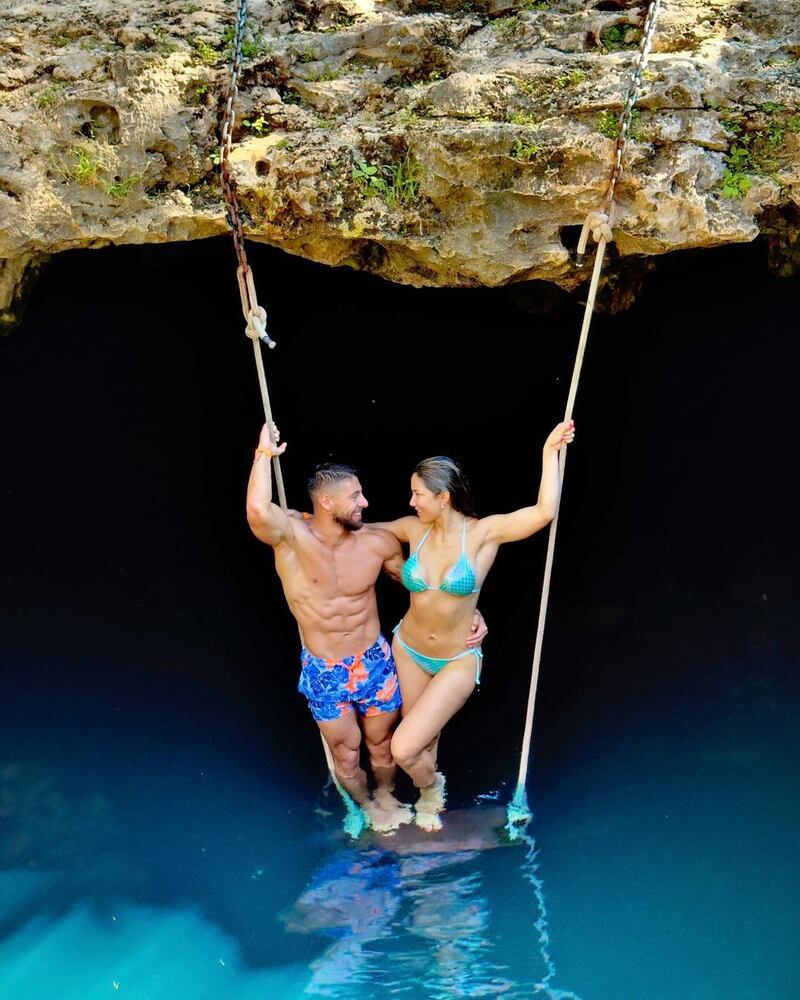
x: 165, y: 829
x: 665, y: 864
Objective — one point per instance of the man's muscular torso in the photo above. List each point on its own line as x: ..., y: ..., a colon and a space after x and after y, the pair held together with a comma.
x: 330, y: 588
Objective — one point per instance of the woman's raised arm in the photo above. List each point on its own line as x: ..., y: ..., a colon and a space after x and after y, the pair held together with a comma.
x: 527, y: 521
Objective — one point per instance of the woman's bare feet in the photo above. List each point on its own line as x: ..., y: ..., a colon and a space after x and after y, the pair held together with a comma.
x: 430, y: 803
x: 386, y: 813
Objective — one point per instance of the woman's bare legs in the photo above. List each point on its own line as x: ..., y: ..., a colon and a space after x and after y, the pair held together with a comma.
x: 429, y: 701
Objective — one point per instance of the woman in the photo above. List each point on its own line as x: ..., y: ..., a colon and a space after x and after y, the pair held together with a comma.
x: 451, y: 552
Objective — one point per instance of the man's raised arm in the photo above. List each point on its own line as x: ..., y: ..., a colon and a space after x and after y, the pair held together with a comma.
x: 266, y: 519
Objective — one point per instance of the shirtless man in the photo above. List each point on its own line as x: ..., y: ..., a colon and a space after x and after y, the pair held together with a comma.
x: 328, y: 564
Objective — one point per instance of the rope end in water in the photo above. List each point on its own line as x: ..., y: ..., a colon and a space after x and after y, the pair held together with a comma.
x: 356, y: 821
x: 518, y: 812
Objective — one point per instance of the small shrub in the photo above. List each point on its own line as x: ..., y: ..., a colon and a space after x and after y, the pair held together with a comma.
x: 525, y: 151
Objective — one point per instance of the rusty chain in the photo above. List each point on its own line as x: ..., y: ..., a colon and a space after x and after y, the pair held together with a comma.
x: 600, y: 222
x: 255, y: 316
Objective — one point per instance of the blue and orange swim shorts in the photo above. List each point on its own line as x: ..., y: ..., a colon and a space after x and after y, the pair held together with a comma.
x: 366, y: 682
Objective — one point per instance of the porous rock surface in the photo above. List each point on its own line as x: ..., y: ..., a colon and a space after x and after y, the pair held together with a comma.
x: 436, y: 142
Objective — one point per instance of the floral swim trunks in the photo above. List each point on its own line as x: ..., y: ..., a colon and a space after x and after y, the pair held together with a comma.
x: 366, y: 681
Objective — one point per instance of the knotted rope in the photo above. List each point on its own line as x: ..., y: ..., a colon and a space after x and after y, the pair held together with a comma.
x: 599, y: 225
x: 255, y: 317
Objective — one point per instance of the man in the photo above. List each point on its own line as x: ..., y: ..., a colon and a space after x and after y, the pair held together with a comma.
x: 328, y: 563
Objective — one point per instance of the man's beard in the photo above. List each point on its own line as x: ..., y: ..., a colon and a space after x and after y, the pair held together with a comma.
x: 349, y: 523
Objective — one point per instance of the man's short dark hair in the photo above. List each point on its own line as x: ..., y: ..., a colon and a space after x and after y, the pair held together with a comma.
x: 329, y: 474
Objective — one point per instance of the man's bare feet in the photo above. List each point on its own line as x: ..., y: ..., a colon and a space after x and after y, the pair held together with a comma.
x: 398, y: 812
x: 430, y: 803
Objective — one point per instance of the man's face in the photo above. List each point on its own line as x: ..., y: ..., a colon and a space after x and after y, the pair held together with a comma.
x: 347, y: 503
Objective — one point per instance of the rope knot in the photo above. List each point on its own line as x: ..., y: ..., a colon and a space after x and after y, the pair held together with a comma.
x: 599, y: 224
x: 256, y: 328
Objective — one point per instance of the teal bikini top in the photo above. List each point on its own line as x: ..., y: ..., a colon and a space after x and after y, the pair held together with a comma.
x: 460, y: 581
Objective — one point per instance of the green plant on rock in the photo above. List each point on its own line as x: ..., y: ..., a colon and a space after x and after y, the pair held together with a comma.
x: 49, y: 95
x: 736, y: 181
x: 535, y: 88
x: 86, y: 169
x: 324, y: 74
x: 574, y: 78
x: 619, y: 37
x: 525, y: 151
x: 397, y: 183
x: 752, y: 153
x: 121, y: 187
x: 407, y: 116
x: 255, y: 125
x: 537, y: 5
x: 165, y: 44
x: 608, y: 124
x: 253, y: 48
x: 522, y: 118
x: 505, y: 28
x: 635, y: 126
x: 206, y: 53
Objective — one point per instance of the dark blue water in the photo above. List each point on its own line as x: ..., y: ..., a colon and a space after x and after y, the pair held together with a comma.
x: 165, y: 830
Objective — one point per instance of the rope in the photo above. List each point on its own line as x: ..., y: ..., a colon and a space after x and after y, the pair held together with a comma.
x: 255, y: 317
x: 598, y: 223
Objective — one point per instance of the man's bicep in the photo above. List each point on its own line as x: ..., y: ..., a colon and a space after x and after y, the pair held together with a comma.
x: 393, y: 565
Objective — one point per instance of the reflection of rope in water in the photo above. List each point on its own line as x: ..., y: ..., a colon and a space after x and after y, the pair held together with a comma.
x: 420, y: 923
x: 529, y: 869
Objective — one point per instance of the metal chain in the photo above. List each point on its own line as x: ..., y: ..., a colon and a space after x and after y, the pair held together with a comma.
x: 256, y: 319
x: 255, y: 315
x: 599, y: 223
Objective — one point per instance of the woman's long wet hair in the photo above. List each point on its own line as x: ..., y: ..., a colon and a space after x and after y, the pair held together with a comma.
x: 441, y: 473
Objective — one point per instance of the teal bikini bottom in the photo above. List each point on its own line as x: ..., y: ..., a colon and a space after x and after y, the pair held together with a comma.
x: 432, y: 665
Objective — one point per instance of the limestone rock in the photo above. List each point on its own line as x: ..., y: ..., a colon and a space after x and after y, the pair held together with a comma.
x: 434, y: 142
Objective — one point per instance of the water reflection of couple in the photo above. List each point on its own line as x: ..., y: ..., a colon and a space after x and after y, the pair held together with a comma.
x: 328, y: 567
x: 420, y: 924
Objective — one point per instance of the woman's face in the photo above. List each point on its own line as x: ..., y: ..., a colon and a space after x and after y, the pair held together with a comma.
x: 427, y: 505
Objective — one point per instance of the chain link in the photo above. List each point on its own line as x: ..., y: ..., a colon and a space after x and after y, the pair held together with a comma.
x: 600, y: 221
x: 255, y: 316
